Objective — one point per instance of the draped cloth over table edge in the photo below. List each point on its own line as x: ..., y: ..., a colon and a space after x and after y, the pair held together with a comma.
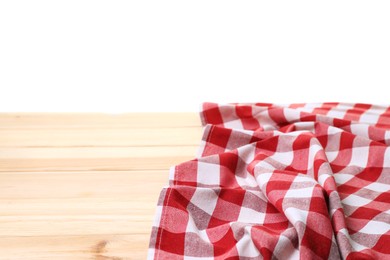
x: 298, y: 181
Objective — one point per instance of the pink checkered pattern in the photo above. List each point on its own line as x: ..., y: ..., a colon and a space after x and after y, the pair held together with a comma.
x: 297, y: 181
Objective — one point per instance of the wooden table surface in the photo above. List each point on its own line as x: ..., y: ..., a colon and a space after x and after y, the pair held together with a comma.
x: 85, y: 186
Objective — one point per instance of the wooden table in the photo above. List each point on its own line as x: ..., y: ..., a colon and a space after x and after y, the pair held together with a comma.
x: 85, y: 186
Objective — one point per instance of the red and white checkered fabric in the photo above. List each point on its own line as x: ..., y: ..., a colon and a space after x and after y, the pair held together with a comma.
x: 299, y: 181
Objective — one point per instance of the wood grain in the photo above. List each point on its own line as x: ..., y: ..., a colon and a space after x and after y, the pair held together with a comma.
x: 93, y: 158
x: 85, y: 186
x: 107, y: 137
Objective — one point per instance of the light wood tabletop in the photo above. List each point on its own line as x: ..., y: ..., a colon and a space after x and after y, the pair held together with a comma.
x: 85, y: 186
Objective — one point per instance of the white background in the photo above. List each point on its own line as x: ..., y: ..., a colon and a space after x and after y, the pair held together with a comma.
x: 123, y: 56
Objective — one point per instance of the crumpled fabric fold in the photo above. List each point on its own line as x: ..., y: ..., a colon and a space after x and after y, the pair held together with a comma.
x: 295, y: 181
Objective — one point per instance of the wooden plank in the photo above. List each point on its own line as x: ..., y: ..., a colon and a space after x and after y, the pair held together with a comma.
x: 85, y: 186
x: 86, y: 204
x: 72, y: 137
x: 78, y: 225
x: 103, y: 247
x: 79, y: 202
x: 93, y: 158
x: 68, y: 214
x: 96, y: 152
x: 128, y: 186
x: 98, y: 120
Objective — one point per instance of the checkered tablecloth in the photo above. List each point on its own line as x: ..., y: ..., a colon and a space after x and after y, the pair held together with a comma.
x: 298, y: 181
